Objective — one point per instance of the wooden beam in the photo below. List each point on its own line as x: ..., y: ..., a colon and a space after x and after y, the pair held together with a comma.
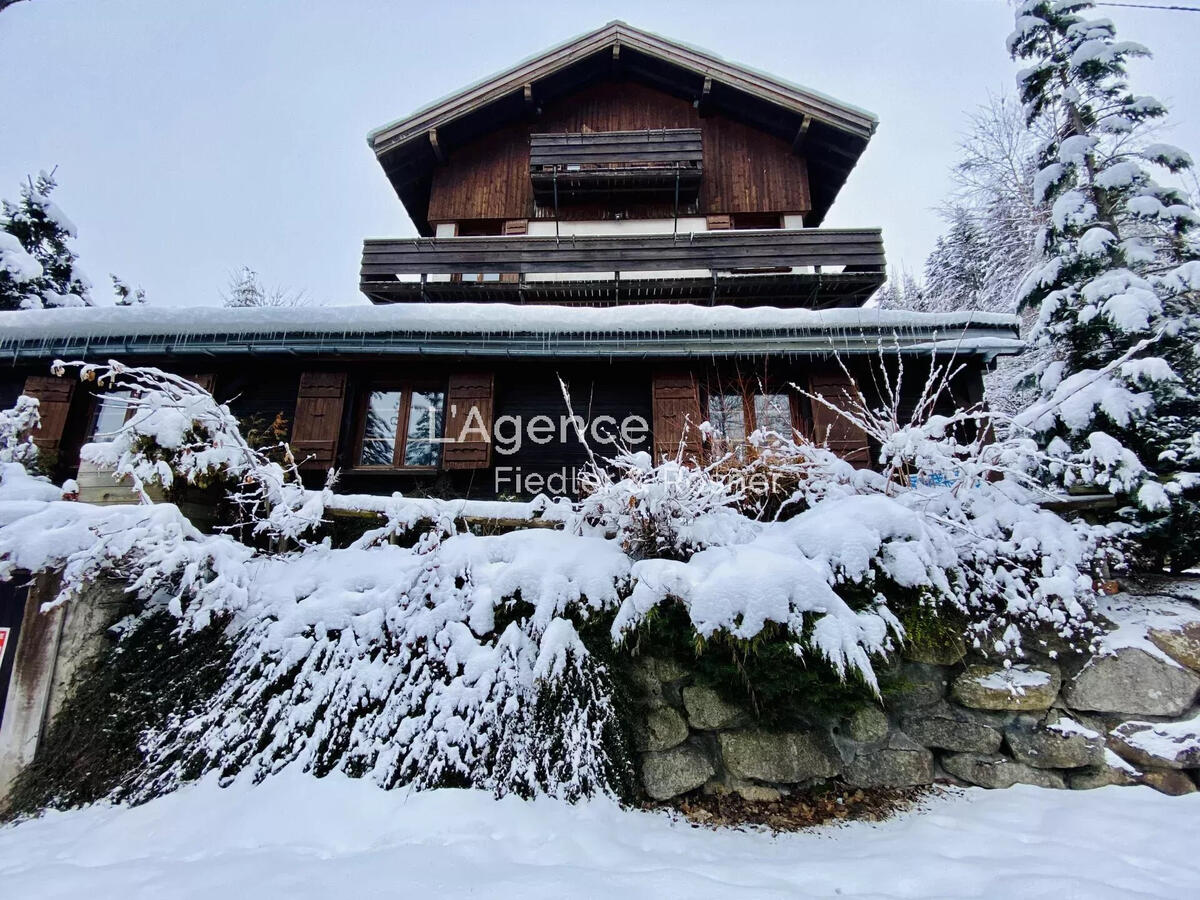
x: 532, y: 110
x: 704, y: 101
x: 438, y: 153
x: 616, y: 60
x: 801, y: 137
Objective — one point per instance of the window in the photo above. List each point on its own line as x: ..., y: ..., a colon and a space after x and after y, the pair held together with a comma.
x: 727, y: 414
x: 402, y: 427
x: 111, y: 410
x: 738, y: 415
x: 773, y: 412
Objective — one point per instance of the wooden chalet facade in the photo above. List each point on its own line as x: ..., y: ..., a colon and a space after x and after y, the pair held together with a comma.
x: 634, y: 217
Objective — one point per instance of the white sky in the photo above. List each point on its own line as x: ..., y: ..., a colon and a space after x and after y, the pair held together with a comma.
x: 192, y: 136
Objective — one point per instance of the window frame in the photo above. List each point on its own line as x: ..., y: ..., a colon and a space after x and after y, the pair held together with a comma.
x: 406, y: 387
x: 97, y: 406
x: 747, y: 390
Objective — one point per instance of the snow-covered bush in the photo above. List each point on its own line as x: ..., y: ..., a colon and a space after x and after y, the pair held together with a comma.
x: 450, y: 658
x: 666, y: 511
x: 176, y: 433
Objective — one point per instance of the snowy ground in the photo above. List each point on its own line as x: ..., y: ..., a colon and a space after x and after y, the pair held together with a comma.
x: 298, y: 837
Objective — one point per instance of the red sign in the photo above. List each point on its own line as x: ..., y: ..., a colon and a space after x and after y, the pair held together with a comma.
x: 3, y: 643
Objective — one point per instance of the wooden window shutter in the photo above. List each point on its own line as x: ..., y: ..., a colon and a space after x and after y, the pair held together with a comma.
x: 54, y: 404
x: 469, y: 406
x: 844, y: 438
x: 720, y: 223
x: 677, y: 417
x: 318, y: 419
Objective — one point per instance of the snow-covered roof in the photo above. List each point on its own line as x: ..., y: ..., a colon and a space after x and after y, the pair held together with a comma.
x: 498, y: 329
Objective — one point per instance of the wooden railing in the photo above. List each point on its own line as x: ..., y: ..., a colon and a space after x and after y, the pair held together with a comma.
x: 409, y: 268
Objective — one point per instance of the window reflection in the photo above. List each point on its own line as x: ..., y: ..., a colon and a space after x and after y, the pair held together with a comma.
x: 727, y: 415
x: 773, y: 412
x: 379, y: 434
x: 111, y: 409
x: 424, y: 428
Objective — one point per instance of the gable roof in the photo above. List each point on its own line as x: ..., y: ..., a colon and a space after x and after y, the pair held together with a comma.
x: 833, y: 134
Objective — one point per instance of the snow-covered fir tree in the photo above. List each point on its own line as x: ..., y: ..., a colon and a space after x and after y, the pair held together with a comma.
x: 902, y: 292
x: 1119, y: 290
x: 126, y: 295
x: 991, y: 241
x: 247, y: 290
x: 37, y: 265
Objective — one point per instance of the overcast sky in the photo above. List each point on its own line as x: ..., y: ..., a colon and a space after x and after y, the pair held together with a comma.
x: 195, y: 136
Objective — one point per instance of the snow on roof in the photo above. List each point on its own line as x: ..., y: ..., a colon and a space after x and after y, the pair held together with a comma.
x: 486, y: 318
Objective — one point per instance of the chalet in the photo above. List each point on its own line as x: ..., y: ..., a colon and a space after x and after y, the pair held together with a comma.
x: 631, y: 217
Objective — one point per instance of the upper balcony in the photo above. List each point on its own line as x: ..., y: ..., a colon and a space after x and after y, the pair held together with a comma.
x: 658, y: 164
x: 815, y: 268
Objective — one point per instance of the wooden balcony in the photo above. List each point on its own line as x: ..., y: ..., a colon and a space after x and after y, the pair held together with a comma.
x: 799, y: 268
x: 656, y: 164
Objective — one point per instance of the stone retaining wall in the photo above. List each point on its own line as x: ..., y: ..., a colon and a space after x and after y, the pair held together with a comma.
x: 1129, y: 717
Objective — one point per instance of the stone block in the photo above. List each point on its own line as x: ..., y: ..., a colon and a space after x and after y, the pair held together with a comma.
x: 779, y: 758
x: 707, y: 711
x: 669, y: 773
x: 993, y: 770
x: 1134, y: 682
x: 1020, y: 687
x: 900, y: 762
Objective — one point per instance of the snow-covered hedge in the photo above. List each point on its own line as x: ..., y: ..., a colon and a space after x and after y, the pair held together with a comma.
x: 451, y: 658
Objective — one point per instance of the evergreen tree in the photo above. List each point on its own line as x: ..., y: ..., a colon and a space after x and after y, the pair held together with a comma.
x: 37, y: 265
x: 246, y: 290
x: 125, y: 295
x: 1118, y: 293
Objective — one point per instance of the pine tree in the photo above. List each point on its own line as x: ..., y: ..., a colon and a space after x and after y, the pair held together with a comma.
x: 246, y: 290
x: 37, y: 265
x: 1119, y: 291
x: 124, y: 295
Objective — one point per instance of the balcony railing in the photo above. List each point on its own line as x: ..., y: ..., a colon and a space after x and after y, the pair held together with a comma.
x: 658, y: 163
x: 806, y: 267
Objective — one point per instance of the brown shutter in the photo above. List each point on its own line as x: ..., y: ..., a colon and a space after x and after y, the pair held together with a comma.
x: 318, y: 419
x: 677, y: 417
x: 54, y: 404
x: 468, y: 391
x: 844, y: 438
x: 719, y: 223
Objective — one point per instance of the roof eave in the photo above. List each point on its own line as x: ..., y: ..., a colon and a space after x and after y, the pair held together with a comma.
x: 844, y: 117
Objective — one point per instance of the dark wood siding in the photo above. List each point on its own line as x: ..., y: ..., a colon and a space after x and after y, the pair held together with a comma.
x: 527, y: 392
x: 745, y: 170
